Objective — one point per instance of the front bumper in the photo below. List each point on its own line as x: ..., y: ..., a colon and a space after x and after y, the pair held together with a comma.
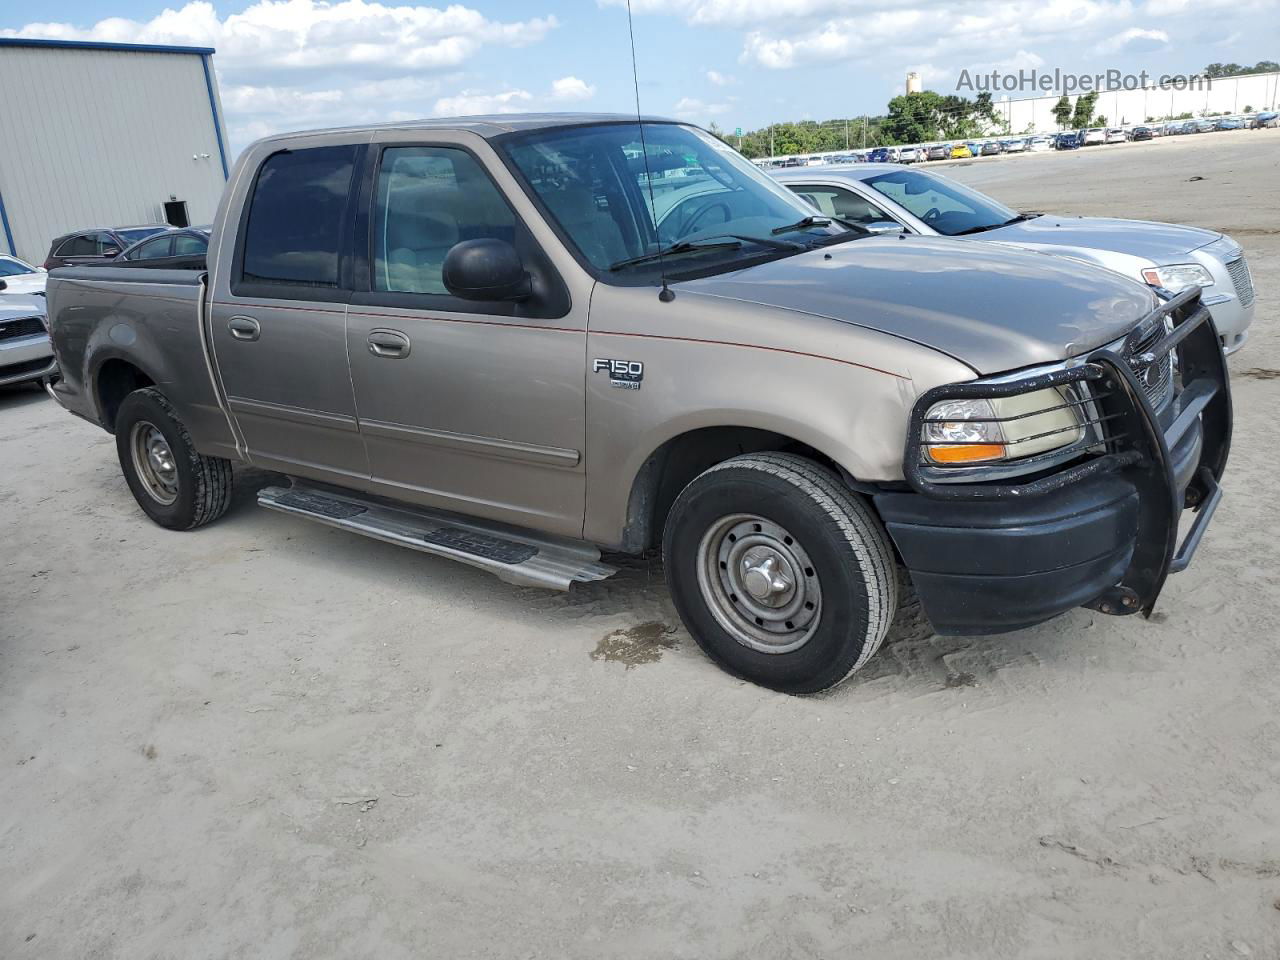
x: 26, y: 358
x: 987, y: 558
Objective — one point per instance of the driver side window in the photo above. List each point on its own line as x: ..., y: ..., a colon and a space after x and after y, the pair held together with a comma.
x: 152, y: 249
x: 427, y: 200
x: 842, y: 203
x: 923, y: 203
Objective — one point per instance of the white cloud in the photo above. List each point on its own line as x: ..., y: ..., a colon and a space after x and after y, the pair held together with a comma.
x: 1133, y: 40
x: 470, y: 102
x: 691, y: 108
x: 738, y: 13
x: 289, y: 64
x: 299, y: 35
x: 785, y: 34
x: 720, y: 79
x: 571, y: 88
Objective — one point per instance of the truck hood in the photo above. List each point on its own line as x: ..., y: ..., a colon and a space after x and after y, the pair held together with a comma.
x: 988, y: 306
x: 1161, y: 243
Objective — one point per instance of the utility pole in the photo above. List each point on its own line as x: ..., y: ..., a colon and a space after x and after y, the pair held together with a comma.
x: 864, y: 132
x: 846, y: 134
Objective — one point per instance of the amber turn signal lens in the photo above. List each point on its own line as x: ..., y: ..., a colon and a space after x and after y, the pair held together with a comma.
x: 966, y: 453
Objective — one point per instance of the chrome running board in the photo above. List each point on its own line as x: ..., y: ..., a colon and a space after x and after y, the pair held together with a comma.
x: 515, y: 556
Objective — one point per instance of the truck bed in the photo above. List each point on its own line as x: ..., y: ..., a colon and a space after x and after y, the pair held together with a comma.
x: 109, y: 322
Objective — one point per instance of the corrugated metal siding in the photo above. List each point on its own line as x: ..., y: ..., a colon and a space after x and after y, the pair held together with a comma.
x: 102, y: 138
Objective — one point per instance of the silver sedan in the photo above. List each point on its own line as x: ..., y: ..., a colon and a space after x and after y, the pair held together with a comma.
x: 886, y: 197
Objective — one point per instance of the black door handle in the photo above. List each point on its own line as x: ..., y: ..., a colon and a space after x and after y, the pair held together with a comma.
x: 390, y: 344
x: 244, y: 328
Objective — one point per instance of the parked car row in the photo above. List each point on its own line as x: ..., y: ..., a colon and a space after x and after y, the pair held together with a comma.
x: 26, y: 353
x: 1036, y: 143
x: 495, y: 341
x: 147, y: 245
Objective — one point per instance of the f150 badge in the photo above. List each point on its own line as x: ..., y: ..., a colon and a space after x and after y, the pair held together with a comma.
x: 623, y: 374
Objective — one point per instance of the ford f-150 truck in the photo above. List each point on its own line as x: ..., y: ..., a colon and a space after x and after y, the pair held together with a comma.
x: 514, y: 341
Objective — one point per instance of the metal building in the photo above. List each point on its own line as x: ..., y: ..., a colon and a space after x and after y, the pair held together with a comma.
x: 103, y: 135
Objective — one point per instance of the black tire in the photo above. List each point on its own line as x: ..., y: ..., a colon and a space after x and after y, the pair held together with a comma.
x: 849, y: 552
x: 202, y: 485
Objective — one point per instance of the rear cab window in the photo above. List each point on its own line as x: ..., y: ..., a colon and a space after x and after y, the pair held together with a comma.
x: 294, y: 228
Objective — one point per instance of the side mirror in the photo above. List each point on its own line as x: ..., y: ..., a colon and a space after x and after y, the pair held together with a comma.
x: 4, y: 285
x: 111, y: 251
x: 884, y: 226
x: 486, y: 270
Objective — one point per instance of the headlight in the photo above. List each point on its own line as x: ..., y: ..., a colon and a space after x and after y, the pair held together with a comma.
x: 958, y: 432
x: 1178, y: 277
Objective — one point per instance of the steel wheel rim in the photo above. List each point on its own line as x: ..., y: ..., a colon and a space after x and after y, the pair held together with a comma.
x: 759, y: 583
x: 153, y: 462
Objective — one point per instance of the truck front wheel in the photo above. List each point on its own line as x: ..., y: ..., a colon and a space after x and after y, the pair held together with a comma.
x: 782, y: 575
x: 176, y: 486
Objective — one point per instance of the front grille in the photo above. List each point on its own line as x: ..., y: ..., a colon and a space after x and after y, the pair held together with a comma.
x: 1239, y: 271
x: 24, y: 327
x: 1156, y: 378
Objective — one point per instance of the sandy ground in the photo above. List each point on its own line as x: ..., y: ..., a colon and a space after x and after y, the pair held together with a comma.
x: 268, y: 739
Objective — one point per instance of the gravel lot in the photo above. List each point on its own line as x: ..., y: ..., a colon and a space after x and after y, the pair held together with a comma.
x: 271, y: 739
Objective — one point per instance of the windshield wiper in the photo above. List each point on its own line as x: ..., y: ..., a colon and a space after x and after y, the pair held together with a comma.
x: 763, y: 241
x: 996, y: 226
x: 684, y: 246
x: 802, y: 224
x: 734, y: 242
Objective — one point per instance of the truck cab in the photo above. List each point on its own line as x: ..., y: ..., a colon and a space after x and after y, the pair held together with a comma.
x: 520, y: 341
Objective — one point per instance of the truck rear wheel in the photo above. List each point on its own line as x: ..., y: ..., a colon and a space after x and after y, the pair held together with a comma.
x: 782, y: 575
x: 176, y: 486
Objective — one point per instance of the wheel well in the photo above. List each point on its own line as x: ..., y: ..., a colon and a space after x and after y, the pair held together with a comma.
x: 671, y: 468
x: 116, y: 380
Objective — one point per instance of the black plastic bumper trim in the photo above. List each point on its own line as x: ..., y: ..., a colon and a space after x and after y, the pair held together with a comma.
x: 1204, y: 515
x: 1166, y: 467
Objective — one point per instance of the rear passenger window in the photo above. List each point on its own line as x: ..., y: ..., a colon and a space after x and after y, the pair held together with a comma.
x: 294, y: 233
x: 428, y: 199
x: 85, y: 245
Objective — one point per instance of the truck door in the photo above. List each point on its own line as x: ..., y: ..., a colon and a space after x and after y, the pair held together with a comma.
x: 470, y: 406
x: 278, y: 315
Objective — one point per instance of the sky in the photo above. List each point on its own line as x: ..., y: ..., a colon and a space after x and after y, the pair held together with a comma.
x: 294, y: 64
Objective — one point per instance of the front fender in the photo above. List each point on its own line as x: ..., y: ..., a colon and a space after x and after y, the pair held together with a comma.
x: 846, y: 391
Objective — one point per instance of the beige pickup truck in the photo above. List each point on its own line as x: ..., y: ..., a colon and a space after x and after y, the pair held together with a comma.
x: 517, y: 341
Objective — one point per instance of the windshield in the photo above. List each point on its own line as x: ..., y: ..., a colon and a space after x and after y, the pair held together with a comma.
x: 944, y: 205
x: 13, y: 268
x: 619, y: 211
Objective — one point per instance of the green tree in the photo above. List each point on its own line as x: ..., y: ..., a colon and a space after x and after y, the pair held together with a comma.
x: 1062, y: 111
x: 1217, y: 70
x: 1083, y: 115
